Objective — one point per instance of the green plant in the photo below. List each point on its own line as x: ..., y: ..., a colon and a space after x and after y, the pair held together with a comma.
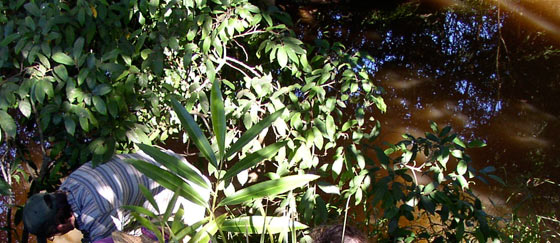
x: 178, y: 176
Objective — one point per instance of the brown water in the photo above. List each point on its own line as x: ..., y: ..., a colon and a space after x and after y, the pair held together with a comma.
x: 491, y: 73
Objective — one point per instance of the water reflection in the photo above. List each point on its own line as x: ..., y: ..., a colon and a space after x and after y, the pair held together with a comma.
x: 477, y: 67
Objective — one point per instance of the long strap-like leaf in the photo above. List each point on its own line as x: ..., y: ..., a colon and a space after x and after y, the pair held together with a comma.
x: 253, y: 159
x: 218, y: 117
x: 194, y: 132
x: 254, y: 225
x: 168, y: 180
x: 174, y: 164
x: 253, y: 132
x: 268, y: 188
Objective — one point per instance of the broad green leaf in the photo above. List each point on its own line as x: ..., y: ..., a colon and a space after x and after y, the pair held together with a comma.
x: 78, y: 47
x: 168, y: 180
x: 101, y: 89
x: 253, y: 159
x: 476, y: 144
x: 70, y: 125
x: 9, y: 39
x: 282, y: 57
x: 62, y: 58
x: 218, y: 117
x: 61, y: 72
x: 331, y: 127
x: 255, y: 224
x: 253, y: 132
x: 32, y: 9
x: 99, y: 104
x: 25, y: 107
x: 174, y: 164
x: 328, y: 188
x: 7, y: 124
x: 204, y: 234
x: 462, y: 167
x: 459, y: 142
x: 194, y: 132
x: 462, y: 181
x: 268, y: 188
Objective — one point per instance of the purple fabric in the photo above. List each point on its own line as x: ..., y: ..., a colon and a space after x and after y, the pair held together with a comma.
x: 105, y: 240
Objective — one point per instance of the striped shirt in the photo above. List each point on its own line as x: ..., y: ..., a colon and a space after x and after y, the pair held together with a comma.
x: 96, y: 195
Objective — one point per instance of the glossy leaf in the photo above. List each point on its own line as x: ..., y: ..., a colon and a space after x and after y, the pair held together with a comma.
x: 70, y: 125
x: 268, y: 188
x: 255, y: 225
x: 218, y: 117
x: 462, y: 167
x: 99, y: 104
x: 7, y: 124
x: 282, y: 57
x: 168, y: 180
x: 250, y: 134
x: 253, y: 159
x: 194, y: 132
x: 62, y: 58
x: 25, y: 107
x: 182, y: 168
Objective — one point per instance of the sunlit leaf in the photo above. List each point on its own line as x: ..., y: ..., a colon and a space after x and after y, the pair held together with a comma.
x: 462, y: 167
x: 204, y: 234
x: 168, y: 180
x: 328, y: 188
x: 282, y: 57
x: 253, y: 132
x: 218, y: 117
x: 268, y: 188
x: 253, y: 159
x: 174, y: 164
x: 25, y: 107
x: 255, y: 224
x: 62, y: 58
x: 61, y: 72
x: 476, y: 144
x: 194, y: 132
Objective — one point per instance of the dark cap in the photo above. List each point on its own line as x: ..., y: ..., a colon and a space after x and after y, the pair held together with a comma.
x: 39, y: 214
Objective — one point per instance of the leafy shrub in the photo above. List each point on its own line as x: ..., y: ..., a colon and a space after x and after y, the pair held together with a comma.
x: 94, y: 78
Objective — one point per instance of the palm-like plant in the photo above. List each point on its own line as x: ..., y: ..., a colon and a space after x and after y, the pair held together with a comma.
x: 183, y: 179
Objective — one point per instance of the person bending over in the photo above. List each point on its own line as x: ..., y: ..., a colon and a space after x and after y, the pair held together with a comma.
x: 90, y: 200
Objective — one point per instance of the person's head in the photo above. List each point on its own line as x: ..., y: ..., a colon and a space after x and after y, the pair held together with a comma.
x: 48, y: 214
x: 333, y: 234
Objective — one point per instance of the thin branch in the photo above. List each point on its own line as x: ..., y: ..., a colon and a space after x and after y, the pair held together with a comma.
x: 243, y: 49
x: 251, y: 33
x: 238, y: 69
x: 253, y: 70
